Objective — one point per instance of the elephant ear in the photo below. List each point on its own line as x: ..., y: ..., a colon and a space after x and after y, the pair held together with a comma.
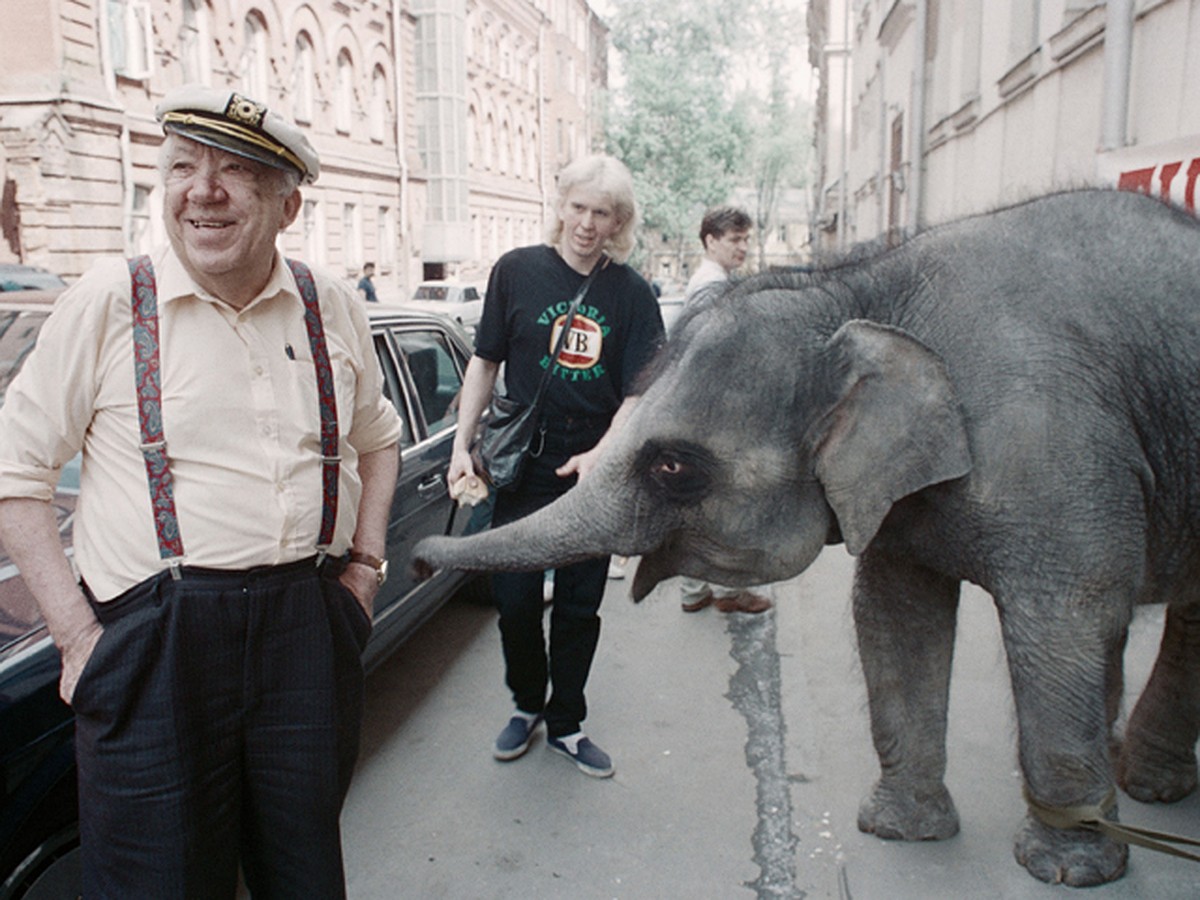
x: 895, y: 426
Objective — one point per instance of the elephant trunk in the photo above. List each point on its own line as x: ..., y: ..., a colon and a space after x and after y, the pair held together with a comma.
x: 584, y: 523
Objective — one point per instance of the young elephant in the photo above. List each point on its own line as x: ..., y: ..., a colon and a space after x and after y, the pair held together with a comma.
x: 1012, y: 400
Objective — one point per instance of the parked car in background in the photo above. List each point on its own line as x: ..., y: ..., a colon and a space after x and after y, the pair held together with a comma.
x: 670, y: 305
x: 15, y: 277
x: 461, y: 302
x: 423, y: 358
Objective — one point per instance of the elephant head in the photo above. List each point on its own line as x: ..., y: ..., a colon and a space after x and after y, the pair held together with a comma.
x: 770, y: 426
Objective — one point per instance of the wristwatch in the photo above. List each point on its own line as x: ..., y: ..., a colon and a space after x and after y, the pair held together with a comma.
x: 366, y: 559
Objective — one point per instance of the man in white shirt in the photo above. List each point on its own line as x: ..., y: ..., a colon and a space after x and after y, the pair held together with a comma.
x: 238, y: 466
x: 725, y: 234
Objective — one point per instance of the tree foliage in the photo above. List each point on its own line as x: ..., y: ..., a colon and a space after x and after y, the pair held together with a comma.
x: 688, y: 135
x: 673, y: 122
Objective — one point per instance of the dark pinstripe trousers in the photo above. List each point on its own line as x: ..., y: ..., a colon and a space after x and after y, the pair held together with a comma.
x: 217, y: 724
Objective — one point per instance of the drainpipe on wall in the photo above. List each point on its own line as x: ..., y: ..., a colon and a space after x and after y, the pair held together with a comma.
x: 401, y: 152
x: 844, y: 193
x: 883, y: 178
x: 916, y: 126
x: 123, y: 140
x: 543, y: 175
x: 1118, y: 51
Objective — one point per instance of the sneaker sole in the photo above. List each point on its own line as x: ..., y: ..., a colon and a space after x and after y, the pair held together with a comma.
x: 583, y: 767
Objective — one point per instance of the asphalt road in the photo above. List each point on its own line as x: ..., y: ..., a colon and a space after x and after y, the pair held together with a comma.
x: 742, y: 750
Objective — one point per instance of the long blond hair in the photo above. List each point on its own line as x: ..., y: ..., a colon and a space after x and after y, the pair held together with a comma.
x: 610, y: 177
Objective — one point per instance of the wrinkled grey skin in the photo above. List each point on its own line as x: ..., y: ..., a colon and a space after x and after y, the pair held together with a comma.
x: 1012, y: 400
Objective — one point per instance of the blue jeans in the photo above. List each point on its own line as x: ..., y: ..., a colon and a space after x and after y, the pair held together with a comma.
x: 217, y: 723
x: 563, y: 668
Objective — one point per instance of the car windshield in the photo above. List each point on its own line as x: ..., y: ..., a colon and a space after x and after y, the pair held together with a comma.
x: 27, y: 278
x: 451, y: 292
x: 19, y: 614
x: 432, y: 292
x: 18, y: 332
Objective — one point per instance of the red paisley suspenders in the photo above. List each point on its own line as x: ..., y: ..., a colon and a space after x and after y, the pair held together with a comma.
x: 148, y: 384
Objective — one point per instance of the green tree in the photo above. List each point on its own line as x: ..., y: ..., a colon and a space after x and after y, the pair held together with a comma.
x: 688, y: 135
x: 780, y: 149
x: 673, y: 122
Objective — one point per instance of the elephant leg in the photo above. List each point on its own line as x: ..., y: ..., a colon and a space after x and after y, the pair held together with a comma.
x: 905, y: 617
x: 1065, y: 673
x: 1157, y: 761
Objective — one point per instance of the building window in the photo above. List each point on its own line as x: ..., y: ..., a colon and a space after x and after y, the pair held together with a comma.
x: 130, y: 40
x: 489, y: 142
x: 385, y: 239
x: 194, y: 42
x: 303, y: 80
x: 314, y: 232
x: 351, y: 237
x: 504, y: 151
x: 344, y: 107
x: 142, y: 234
x: 379, y: 105
x: 1023, y: 25
x: 255, y: 59
x: 474, y: 139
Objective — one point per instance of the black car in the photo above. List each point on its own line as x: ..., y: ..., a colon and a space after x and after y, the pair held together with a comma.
x: 423, y: 358
x: 16, y: 277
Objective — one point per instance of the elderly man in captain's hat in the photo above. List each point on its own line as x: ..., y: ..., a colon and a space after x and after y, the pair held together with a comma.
x: 238, y: 467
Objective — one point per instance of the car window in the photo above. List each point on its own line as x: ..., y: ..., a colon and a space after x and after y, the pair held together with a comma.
x: 392, y: 389
x: 470, y: 294
x: 18, y: 333
x: 435, y: 374
x: 432, y: 292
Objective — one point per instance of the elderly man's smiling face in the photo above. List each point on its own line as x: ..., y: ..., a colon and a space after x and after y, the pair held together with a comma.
x: 222, y: 214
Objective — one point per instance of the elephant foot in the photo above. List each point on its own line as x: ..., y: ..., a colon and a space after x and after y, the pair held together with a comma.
x: 1153, y: 775
x: 1073, y: 856
x: 899, y: 813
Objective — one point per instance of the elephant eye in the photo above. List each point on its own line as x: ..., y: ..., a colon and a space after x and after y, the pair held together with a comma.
x: 678, y: 475
x: 671, y: 467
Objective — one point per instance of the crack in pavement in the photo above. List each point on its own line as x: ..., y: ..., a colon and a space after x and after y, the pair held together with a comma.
x: 754, y: 690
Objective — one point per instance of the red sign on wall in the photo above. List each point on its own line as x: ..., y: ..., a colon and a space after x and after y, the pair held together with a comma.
x: 1169, y: 171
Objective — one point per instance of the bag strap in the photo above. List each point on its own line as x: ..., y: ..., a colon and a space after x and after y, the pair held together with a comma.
x: 566, y: 329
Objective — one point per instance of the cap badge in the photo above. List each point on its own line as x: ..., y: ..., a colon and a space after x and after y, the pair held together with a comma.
x: 239, y: 109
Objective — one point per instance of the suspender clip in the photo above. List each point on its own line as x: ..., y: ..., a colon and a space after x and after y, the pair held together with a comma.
x: 175, y: 564
x: 154, y: 447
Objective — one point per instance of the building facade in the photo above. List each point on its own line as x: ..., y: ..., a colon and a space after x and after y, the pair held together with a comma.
x: 389, y: 92
x: 933, y: 109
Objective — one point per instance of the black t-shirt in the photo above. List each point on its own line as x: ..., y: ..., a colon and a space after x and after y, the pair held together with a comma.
x: 616, y: 331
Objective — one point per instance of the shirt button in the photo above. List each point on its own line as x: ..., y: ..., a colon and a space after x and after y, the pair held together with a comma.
x: 258, y: 370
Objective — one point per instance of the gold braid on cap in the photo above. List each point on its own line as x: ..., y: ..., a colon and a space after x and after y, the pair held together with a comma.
x: 241, y: 132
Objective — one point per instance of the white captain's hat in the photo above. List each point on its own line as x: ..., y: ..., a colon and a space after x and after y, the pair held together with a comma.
x: 228, y: 121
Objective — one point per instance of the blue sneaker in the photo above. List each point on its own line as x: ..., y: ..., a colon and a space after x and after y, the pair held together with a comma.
x: 589, y: 758
x: 517, y: 735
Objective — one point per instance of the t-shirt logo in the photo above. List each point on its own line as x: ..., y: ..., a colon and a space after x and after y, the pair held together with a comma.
x: 581, y: 350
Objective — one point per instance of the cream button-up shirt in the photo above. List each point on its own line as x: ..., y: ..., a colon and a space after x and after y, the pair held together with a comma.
x: 240, y: 415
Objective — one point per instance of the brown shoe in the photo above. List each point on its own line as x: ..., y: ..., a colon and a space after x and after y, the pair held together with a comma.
x: 705, y: 600
x: 744, y: 602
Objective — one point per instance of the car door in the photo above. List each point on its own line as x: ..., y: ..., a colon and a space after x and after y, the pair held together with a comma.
x: 422, y: 367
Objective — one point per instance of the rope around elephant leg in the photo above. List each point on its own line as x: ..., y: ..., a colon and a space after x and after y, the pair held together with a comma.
x: 1092, y: 818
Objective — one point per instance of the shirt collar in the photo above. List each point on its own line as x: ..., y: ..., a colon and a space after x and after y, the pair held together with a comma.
x: 173, y: 281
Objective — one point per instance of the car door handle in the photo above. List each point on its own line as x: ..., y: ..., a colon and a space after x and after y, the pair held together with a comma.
x: 431, y: 485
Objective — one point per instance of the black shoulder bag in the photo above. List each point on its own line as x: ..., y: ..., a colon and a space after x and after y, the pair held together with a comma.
x: 509, y: 425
